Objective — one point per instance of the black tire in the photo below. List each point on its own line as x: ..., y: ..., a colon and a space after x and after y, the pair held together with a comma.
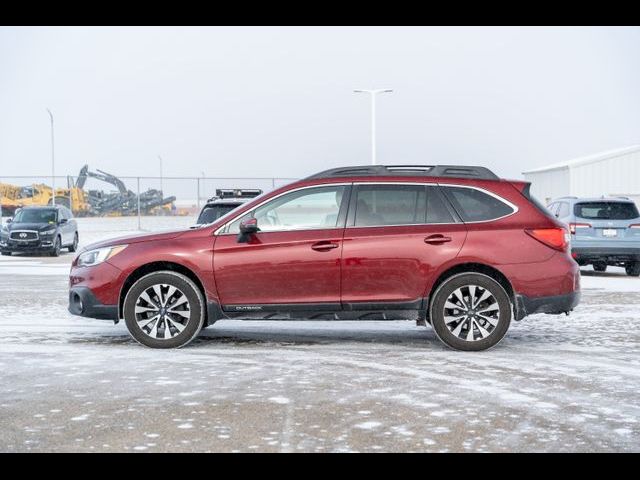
x: 495, y: 333
x: 632, y: 269
x: 55, y: 252
x: 74, y: 246
x: 600, y: 267
x: 192, y: 325
x: 6, y: 254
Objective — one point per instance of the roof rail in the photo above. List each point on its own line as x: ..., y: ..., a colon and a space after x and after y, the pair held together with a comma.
x: 455, y: 171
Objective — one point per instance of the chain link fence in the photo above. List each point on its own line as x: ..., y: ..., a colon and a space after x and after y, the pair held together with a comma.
x: 139, y: 202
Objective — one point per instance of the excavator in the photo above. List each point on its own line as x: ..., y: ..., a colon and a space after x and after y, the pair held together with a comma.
x: 87, y: 202
x: 124, y: 201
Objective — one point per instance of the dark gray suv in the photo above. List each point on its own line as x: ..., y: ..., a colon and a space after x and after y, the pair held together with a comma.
x: 40, y: 230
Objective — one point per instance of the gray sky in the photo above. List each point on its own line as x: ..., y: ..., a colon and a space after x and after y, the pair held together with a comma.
x: 279, y: 101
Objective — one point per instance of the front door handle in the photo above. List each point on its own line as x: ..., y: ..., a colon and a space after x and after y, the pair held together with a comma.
x: 324, y: 246
x: 437, y: 239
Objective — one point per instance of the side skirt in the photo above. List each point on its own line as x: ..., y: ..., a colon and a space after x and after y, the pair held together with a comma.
x: 324, y: 311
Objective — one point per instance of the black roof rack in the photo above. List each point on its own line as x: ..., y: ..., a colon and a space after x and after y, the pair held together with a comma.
x: 455, y: 171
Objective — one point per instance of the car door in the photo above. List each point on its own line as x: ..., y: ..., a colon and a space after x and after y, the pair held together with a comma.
x: 62, y: 224
x: 293, y: 261
x: 396, y: 236
x: 72, y: 226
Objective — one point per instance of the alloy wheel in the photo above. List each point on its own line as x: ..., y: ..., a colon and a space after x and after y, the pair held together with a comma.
x: 162, y: 311
x: 471, y: 313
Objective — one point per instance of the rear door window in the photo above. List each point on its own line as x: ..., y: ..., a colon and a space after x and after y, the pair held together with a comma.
x: 380, y: 205
x: 475, y: 205
x: 606, y: 210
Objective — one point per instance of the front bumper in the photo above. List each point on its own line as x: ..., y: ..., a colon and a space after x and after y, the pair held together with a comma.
x: 83, y: 302
x: 40, y: 245
x: 554, y: 305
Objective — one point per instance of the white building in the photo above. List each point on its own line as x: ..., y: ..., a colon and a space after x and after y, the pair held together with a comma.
x: 612, y: 173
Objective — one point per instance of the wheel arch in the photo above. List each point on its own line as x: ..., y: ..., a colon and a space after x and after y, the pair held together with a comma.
x: 148, y: 268
x: 473, y: 267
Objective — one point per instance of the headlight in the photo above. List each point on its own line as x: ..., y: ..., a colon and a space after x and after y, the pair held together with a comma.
x: 51, y: 231
x: 99, y: 255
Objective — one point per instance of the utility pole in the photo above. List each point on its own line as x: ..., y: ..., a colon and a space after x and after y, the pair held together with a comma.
x: 373, y: 94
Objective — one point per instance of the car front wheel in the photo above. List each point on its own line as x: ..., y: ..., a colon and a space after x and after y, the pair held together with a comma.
x: 470, y: 311
x: 164, y: 310
x: 55, y: 252
x: 74, y: 246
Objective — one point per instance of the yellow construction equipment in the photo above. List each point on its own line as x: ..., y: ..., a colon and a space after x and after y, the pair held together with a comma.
x: 13, y: 197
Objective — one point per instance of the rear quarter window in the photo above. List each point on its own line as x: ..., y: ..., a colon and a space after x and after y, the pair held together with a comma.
x: 606, y: 210
x: 475, y: 205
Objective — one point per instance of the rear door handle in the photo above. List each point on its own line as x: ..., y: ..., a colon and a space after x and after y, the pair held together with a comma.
x: 324, y: 246
x: 436, y: 239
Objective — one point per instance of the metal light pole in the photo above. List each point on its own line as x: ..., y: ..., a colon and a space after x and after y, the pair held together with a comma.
x: 373, y: 94
x: 161, y: 189
x: 53, y: 164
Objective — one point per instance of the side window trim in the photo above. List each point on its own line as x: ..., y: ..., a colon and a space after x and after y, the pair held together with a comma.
x: 340, y: 223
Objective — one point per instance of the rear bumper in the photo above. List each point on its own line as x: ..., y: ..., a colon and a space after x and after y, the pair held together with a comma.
x: 554, y: 305
x: 605, y: 254
x: 83, y: 302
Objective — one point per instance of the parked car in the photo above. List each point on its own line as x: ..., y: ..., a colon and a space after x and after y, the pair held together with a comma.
x: 40, y: 230
x: 457, y: 247
x: 225, y: 201
x: 604, y: 231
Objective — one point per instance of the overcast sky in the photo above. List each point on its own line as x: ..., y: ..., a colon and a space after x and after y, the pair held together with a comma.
x: 279, y: 101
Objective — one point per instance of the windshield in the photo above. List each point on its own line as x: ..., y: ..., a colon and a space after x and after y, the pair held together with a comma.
x: 35, y: 216
x: 214, y: 212
x: 606, y: 210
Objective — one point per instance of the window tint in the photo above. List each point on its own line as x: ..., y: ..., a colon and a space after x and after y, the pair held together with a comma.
x: 606, y: 210
x: 35, y: 216
x: 475, y: 206
x: 306, y: 209
x: 563, y: 211
x: 390, y: 205
x: 214, y: 212
x: 437, y: 212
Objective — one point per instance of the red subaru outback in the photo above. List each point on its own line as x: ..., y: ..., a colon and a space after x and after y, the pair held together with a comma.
x: 453, y: 246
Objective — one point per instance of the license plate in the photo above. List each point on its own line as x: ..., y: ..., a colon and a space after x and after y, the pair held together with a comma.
x: 609, y: 232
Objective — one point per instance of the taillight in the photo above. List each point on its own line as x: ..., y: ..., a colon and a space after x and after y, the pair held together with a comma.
x: 557, y: 238
x: 574, y: 226
x: 635, y: 225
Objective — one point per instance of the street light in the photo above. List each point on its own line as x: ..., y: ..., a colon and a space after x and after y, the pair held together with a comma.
x: 373, y: 94
x: 161, y: 189
x: 53, y: 164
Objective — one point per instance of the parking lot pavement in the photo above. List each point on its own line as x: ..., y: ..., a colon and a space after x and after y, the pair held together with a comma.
x: 554, y: 383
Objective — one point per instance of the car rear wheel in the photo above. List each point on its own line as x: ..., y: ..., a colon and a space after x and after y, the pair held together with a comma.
x: 74, y: 246
x: 6, y: 254
x: 470, y: 311
x: 164, y: 310
x: 56, y: 248
x: 600, y: 267
x: 633, y: 269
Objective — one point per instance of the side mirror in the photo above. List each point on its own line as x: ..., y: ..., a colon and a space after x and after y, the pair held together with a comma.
x: 248, y: 227
x: 62, y: 220
x: 9, y: 220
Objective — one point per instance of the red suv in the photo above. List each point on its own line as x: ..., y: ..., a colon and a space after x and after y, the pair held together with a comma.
x: 453, y: 246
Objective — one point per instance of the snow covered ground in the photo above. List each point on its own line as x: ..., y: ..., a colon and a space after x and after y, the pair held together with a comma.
x: 72, y: 384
